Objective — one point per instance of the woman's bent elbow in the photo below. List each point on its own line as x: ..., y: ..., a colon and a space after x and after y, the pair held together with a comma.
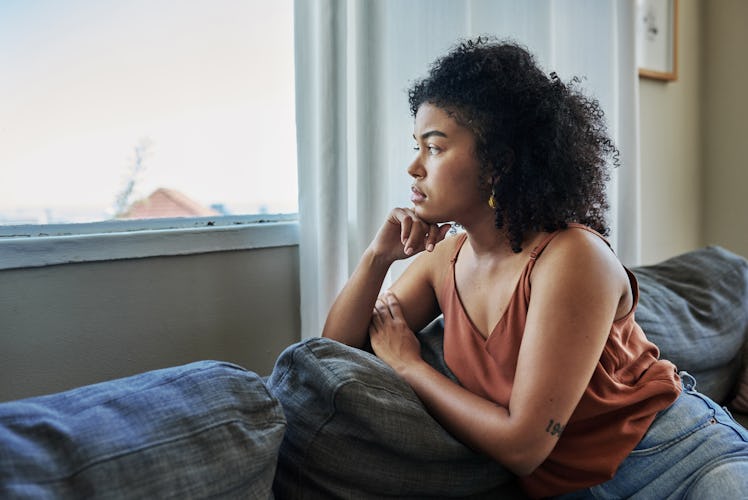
x: 524, y: 461
x: 524, y: 469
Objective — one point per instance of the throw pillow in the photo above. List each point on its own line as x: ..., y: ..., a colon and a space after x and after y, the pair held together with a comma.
x: 357, y: 430
x: 694, y: 307
x: 201, y: 430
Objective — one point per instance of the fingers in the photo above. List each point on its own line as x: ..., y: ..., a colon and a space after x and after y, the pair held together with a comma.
x: 424, y: 237
x: 376, y: 326
x: 406, y: 230
x: 417, y: 235
x: 376, y: 318
x: 387, y: 308
x: 381, y: 313
x: 436, y: 234
x: 411, y: 232
x: 393, y: 305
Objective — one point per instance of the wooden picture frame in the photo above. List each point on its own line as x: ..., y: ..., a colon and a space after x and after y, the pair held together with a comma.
x: 657, y: 39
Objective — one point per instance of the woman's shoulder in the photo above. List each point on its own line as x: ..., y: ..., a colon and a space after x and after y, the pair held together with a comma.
x: 579, y: 246
x: 580, y: 238
x: 582, y: 261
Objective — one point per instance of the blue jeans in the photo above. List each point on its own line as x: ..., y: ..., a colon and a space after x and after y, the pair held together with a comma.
x: 693, y: 450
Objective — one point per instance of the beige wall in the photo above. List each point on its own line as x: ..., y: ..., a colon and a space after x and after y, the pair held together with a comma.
x: 725, y: 124
x: 693, y: 133
x: 671, y: 148
x: 75, y: 324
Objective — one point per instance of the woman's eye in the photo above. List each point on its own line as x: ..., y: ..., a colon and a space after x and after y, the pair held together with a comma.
x: 432, y: 150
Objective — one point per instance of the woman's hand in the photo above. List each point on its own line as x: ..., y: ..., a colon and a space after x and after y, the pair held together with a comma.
x: 391, y: 338
x: 404, y: 234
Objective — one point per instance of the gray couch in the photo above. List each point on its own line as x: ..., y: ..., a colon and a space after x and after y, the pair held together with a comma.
x: 212, y: 429
x: 695, y: 308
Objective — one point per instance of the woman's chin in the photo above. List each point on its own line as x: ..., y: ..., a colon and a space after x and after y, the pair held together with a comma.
x: 427, y: 217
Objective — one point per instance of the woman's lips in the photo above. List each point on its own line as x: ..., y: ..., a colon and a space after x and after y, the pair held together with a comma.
x: 416, y: 196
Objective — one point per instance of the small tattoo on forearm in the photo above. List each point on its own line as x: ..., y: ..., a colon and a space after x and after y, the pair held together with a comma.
x: 554, y: 428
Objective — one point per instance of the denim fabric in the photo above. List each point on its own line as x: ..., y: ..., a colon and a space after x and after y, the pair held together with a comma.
x: 693, y: 450
x: 694, y: 307
x: 206, y: 429
x: 358, y: 431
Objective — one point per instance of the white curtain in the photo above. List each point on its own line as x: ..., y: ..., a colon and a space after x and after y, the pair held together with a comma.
x: 355, y: 60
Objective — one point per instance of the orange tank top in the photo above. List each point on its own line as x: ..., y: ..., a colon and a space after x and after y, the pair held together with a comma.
x: 629, y: 385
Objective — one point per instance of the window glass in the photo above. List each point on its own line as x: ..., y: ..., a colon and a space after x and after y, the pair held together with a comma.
x: 145, y: 108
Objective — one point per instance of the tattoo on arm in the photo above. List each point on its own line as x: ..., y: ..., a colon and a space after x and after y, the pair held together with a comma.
x: 554, y: 428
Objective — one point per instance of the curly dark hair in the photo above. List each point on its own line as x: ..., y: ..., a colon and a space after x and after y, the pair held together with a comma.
x: 543, y: 144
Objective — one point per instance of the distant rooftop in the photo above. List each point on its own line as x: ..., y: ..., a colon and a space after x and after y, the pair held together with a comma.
x: 165, y: 202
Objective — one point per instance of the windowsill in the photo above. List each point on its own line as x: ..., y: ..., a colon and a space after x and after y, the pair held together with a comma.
x: 39, y: 246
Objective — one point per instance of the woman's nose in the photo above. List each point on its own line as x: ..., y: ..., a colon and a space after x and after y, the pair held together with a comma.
x: 415, y: 169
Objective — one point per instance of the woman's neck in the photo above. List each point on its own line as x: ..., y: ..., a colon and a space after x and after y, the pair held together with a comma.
x: 489, y: 242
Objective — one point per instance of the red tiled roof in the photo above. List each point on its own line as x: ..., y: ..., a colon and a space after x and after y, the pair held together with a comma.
x: 165, y: 202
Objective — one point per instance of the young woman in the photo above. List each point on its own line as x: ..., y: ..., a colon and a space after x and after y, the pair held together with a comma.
x: 557, y: 381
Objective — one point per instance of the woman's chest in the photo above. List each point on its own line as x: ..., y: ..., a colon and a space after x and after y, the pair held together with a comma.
x: 485, y: 294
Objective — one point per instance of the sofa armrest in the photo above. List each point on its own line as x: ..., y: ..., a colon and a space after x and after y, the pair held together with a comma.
x: 201, y: 430
x: 694, y: 307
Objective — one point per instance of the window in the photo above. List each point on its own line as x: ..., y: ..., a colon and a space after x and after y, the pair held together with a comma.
x: 146, y: 109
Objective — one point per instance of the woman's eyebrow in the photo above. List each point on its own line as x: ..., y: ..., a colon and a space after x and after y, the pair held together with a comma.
x: 428, y: 134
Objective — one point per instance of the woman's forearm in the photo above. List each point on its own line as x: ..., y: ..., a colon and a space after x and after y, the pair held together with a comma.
x: 477, y: 422
x: 350, y: 315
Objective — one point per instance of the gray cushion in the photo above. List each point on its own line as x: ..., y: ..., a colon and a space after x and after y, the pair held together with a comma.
x: 201, y: 430
x: 356, y: 430
x: 694, y: 307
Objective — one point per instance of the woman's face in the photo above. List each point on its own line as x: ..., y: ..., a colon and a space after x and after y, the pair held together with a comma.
x: 446, y: 172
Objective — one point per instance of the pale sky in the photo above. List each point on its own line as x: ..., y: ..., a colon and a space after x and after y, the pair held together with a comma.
x: 208, y: 82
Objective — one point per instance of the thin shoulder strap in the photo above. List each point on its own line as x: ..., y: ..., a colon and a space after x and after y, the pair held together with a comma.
x: 458, y: 247
x: 541, y: 246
